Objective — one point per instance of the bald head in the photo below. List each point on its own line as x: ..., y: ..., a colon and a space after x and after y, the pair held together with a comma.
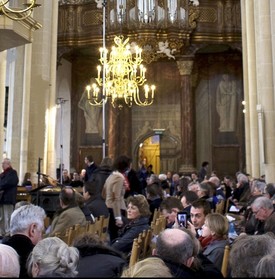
x: 215, y: 180
x: 175, y: 245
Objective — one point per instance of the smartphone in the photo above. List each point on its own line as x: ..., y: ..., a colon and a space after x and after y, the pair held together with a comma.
x: 182, y: 219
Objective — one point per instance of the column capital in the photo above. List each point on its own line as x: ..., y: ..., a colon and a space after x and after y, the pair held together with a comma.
x: 185, y: 66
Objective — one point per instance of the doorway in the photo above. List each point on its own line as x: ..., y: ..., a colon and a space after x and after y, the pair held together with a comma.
x: 149, y: 152
x: 162, y: 151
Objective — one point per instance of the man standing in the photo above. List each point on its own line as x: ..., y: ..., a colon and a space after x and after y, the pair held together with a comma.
x: 202, y: 175
x: 91, y: 167
x: 8, y: 190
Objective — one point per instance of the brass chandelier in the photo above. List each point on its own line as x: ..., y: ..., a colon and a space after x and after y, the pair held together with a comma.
x: 121, y: 74
x: 17, y: 13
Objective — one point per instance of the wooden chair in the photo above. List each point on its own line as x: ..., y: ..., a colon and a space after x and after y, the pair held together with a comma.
x: 135, y: 252
x: 225, y: 261
x: 220, y: 207
x: 75, y: 231
x: 159, y: 226
x: 156, y: 215
x: 64, y: 237
x: 141, y: 247
x: 146, y: 248
x: 104, y: 229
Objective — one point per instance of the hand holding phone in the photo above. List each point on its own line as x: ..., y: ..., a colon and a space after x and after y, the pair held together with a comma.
x: 182, y: 219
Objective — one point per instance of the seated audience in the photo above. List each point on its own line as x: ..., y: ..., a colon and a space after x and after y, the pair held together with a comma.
x: 27, y: 225
x: 194, y: 186
x: 175, y: 247
x: 66, y: 178
x: 269, y: 191
x: 80, y: 201
x: 214, y: 237
x: 169, y: 208
x: 186, y: 199
x: 205, y: 192
x: 266, y: 266
x: 76, y: 180
x: 9, y: 262
x: 247, y: 251
x: 70, y: 213
x: 148, y: 267
x: 162, y: 181
x: 138, y: 214
x: 27, y: 180
x: 93, y: 199
x: 241, y: 193
x: 182, y: 187
x: 198, y: 212
x: 52, y: 257
x: 96, y: 258
x: 20, y: 203
x: 203, y: 267
x: 82, y: 175
x: 154, y: 197
x: 263, y: 218
x: 228, y: 185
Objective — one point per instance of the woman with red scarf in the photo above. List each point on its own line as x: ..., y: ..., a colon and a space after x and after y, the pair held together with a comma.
x: 214, y: 237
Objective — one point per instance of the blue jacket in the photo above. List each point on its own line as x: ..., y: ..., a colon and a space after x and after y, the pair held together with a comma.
x: 129, y: 232
x: 8, y: 184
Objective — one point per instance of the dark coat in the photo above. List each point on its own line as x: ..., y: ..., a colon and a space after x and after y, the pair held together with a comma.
x: 135, y: 184
x: 100, y: 261
x: 97, y: 206
x: 214, y: 252
x: 180, y: 270
x: 128, y: 233
x: 100, y: 175
x: 90, y: 171
x: 8, y: 184
x: 23, y: 246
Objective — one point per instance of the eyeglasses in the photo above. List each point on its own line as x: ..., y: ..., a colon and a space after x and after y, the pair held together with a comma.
x: 256, y: 212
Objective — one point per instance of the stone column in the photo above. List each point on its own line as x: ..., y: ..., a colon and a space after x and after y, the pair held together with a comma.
x: 23, y: 165
x: 185, y: 66
x: 250, y: 88
x: 43, y: 90
x: 3, y: 62
x: 265, y: 80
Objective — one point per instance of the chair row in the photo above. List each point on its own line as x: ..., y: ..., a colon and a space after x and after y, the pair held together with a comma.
x: 99, y: 227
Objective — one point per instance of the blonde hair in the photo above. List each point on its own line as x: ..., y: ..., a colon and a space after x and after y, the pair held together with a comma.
x: 149, y: 267
x: 9, y: 262
x: 218, y: 224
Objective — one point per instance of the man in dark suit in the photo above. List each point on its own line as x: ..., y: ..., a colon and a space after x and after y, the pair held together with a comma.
x: 91, y: 167
x: 8, y: 191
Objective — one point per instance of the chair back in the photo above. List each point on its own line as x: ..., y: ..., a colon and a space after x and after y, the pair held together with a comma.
x: 64, y: 237
x: 141, y: 247
x: 104, y: 229
x: 156, y: 215
x: 220, y: 207
x: 225, y: 260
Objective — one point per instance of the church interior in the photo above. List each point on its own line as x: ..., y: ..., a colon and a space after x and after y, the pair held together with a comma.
x: 211, y: 61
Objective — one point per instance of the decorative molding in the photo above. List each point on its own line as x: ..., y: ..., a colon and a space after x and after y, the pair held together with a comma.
x: 185, y: 67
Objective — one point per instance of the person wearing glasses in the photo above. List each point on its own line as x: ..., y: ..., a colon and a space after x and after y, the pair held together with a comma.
x: 263, y: 217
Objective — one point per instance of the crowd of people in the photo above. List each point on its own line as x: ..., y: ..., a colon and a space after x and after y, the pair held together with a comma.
x: 214, y: 211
